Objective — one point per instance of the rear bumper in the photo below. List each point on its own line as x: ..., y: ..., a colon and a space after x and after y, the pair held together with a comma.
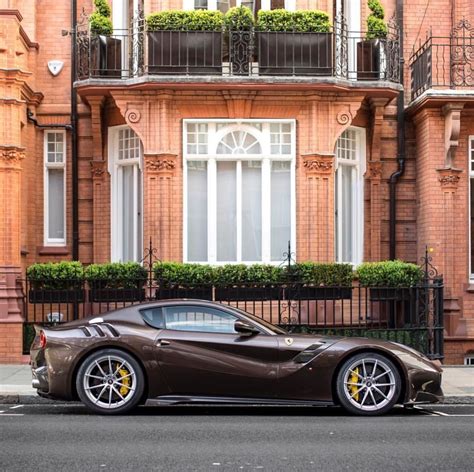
x: 40, y: 379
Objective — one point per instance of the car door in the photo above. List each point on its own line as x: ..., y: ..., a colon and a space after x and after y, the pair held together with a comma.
x: 201, y: 354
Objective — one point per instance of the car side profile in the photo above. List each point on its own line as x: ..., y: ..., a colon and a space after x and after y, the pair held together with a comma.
x: 194, y: 351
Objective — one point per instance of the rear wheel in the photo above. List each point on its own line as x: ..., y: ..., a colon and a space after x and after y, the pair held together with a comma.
x: 368, y: 384
x: 110, y: 382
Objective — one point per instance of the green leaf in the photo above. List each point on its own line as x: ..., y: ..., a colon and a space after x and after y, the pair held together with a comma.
x: 183, y: 20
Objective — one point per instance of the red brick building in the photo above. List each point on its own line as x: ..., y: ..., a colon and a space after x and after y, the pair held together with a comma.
x: 350, y: 163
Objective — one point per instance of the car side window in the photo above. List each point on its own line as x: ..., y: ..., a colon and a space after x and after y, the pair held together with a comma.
x: 199, y: 319
x: 154, y: 317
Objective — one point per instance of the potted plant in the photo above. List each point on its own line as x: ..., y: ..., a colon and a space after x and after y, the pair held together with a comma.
x: 116, y: 282
x: 185, y: 42
x: 106, y: 52
x: 370, y: 51
x: 297, y: 42
x: 239, y: 22
x: 178, y: 280
x: 319, y: 281
x: 240, y: 282
x: 389, y: 280
x: 56, y: 282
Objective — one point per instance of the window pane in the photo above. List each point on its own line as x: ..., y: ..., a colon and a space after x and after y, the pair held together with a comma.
x: 346, y: 211
x: 55, y: 204
x: 226, y: 211
x: 154, y: 317
x: 189, y: 318
x: 252, y: 211
x: 127, y: 213
x: 281, y: 209
x: 197, y: 211
x: 200, y: 4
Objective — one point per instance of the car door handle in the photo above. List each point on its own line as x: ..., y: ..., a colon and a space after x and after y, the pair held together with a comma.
x: 163, y: 342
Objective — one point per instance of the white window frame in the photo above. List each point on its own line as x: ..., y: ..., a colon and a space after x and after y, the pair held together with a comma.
x: 116, y: 243
x: 47, y: 166
x: 212, y: 157
x: 290, y: 5
x: 470, y: 160
x: 469, y: 360
x: 358, y: 215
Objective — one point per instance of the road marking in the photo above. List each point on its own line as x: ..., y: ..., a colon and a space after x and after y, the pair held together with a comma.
x: 11, y: 414
x: 457, y: 416
x: 439, y: 413
x: 2, y: 411
x: 16, y: 406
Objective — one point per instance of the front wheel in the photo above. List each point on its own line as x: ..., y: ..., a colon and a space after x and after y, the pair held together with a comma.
x: 110, y: 382
x: 368, y: 384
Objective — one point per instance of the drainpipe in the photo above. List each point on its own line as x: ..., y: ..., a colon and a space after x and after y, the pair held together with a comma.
x: 74, y: 144
x: 30, y: 117
x: 400, y: 142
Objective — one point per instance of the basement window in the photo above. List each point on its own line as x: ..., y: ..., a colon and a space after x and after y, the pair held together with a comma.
x: 469, y: 360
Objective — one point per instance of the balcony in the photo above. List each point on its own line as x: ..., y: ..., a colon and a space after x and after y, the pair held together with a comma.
x: 444, y: 62
x: 336, y: 56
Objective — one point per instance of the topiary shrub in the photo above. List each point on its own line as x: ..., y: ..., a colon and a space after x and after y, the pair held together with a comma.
x: 55, y: 275
x: 391, y: 274
x: 177, y: 273
x: 302, y: 21
x: 183, y: 20
x: 376, y: 26
x: 239, y: 19
x: 321, y: 274
x: 116, y: 275
x: 99, y: 21
x: 241, y: 274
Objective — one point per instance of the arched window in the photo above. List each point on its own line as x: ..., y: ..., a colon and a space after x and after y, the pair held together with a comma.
x: 239, y: 190
x: 349, y: 195
x: 125, y: 156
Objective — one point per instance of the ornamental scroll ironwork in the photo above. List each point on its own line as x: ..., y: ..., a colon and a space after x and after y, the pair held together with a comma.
x: 462, y: 54
x: 241, y: 51
x: 340, y: 30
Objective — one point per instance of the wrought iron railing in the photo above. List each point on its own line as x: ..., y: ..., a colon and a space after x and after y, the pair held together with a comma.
x: 411, y: 315
x: 444, y: 62
x: 136, y: 52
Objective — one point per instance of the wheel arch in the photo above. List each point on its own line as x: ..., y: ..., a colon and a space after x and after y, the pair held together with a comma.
x: 102, y: 347
x: 376, y: 350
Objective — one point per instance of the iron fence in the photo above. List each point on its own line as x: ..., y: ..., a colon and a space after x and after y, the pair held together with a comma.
x: 411, y: 315
x: 138, y: 51
x: 444, y: 62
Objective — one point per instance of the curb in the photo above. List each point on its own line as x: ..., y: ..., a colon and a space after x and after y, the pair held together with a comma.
x: 37, y: 400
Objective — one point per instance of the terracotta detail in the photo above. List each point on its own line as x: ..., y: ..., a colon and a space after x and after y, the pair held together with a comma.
x: 132, y: 115
x: 11, y: 154
x: 239, y: 103
x: 98, y: 168
x: 156, y: 163
x: 449, y: 178
x: 452, y: 128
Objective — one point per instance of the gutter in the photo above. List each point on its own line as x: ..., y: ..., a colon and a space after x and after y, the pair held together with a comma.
x: 74, y: 142
x: 400, y: 144
x: 31, y: 119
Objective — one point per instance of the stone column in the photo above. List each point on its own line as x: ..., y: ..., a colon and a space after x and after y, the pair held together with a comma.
x: 317, y: 231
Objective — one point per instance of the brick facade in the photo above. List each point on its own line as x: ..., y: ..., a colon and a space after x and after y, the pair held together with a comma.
x: 432, y: 194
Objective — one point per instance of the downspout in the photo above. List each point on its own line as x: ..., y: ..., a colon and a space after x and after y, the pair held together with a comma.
x: 74, y: 144
x: 400, y: 142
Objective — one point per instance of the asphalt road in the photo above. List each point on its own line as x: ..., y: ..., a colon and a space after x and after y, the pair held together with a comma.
x: 67, y: 437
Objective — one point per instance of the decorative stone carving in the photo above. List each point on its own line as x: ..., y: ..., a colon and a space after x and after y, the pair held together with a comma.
x: 344, y: 117
x: 374, y: 169
x: 321, y: 164
x: 449, y: 178
x: 239, y: 103
x: 452, y: 128
x: 12, y: 154
x: 165, y: 163
x: 132, y: 115
x: 97, y: 168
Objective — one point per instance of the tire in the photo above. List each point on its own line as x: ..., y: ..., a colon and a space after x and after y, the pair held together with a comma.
x: 368, y: 384
x: 110, y: 382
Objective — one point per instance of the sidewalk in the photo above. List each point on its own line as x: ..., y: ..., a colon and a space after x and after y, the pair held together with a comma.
x: 15, y: 384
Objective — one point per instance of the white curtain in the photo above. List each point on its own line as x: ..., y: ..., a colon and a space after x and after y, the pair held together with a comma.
x: 226, y: 211
x: 347, y: 211
x: 251, y: 211
x: 55, y: 204
x: 281, y: 208
x: 197, y: 211
x: 127, y: 213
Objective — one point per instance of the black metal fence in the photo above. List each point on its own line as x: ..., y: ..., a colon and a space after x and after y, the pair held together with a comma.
x: 412, y: 315
x: 444, y: 62
x: 138, y: 51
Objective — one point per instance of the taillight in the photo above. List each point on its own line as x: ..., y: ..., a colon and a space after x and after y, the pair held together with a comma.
x: 42, y: 340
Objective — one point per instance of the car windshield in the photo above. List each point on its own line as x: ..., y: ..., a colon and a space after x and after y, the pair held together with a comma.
x: 266, y: 324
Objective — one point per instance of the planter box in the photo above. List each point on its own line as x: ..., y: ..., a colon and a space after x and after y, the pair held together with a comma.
x: 245, y: 293
x: 201, y: 293
x: 177, y: 52
x: 295, y: 54
x: 319, y: 293
x: 368, y: 59
x: 117, y: 294
x: 56, y: 296
x: 106, y: 57
x: 389, y: 294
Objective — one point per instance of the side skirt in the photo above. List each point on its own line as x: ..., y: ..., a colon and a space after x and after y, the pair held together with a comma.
x: 188, y: 399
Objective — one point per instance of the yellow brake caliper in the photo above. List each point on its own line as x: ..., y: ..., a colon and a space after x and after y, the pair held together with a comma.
x: 353, y: 379
x: 125, y: 388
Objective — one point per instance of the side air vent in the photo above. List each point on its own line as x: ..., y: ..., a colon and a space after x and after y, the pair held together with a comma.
x: 112, y: 330
x: 310, y: 353
x: 86, y: 331
x: 101, y: 330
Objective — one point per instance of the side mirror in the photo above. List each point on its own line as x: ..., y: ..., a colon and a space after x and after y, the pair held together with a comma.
x: 245, y: 329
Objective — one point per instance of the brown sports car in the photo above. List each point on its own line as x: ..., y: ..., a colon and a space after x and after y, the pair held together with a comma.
x: 193, y: 351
